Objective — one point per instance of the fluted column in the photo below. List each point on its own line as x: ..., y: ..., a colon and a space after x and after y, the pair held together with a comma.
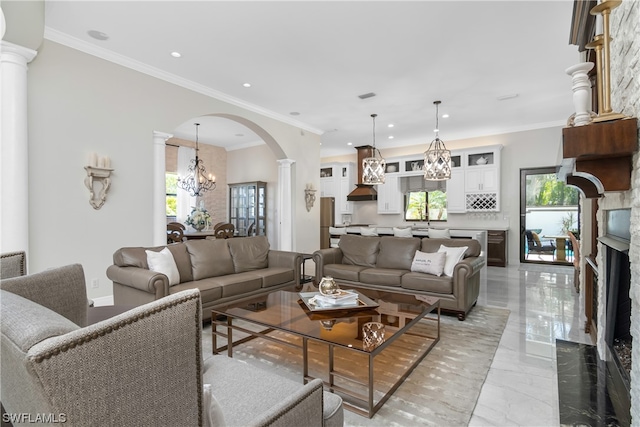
x: 285, y: 205
x: 14, y: 161
x: 159, y: 191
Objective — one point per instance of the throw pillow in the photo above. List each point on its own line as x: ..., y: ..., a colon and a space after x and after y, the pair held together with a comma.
x: 454, y: 255
x: 439, y: 234
x: 212, y: 416
x: 402, y: 232
x: 368, y: 231
x: 430, y: 263
x: 163, y: 262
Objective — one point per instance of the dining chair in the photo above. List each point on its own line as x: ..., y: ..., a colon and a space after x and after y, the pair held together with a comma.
x: 175, y: 232
x: 224, y: 231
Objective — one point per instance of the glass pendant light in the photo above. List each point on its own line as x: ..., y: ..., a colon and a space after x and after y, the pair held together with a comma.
x: 437, y: 159
x: 373, y: 167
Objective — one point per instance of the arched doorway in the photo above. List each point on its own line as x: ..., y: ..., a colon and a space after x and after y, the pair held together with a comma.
x: 280, y: 206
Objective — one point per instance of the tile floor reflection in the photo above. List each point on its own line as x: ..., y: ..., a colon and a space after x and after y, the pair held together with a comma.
x: 521, y: 387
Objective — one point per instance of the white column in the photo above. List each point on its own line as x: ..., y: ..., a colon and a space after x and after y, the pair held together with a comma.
x: 14, y: 161
x: 159, y: 191
x: 285, y: 205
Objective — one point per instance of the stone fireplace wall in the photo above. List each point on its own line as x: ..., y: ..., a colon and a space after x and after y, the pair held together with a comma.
x: 625, y: 98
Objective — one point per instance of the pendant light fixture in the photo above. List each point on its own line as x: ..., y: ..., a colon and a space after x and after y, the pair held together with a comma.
x: 373, y: 167
x: 437, y: 159
x: 197, y: 182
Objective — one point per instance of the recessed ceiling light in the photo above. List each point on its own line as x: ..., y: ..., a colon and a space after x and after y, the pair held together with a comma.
x: 176, y: 54
x: 294, y: 113
x: 390, y: 136
x: 98, y: 35
x: 349, y: 143
x: 246, y: 84
x: 390, y: 125
x: 445, y: 116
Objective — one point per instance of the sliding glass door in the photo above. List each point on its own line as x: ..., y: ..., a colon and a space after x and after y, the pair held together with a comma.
x: 549, y: 210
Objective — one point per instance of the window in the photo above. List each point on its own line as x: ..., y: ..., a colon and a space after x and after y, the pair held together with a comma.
x: 171, y: 188
x: 425, y: 206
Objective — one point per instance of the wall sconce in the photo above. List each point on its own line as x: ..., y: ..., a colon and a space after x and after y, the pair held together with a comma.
x: 99, y: 169
x: 309, y: 196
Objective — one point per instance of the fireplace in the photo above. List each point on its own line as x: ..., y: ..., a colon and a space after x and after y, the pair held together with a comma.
x: 617, y: 306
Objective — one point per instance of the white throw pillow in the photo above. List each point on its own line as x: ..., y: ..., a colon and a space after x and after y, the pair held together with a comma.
x: 334, y: 243
x: 368, y: 231
x: 454, y: 255
x: 336, y: 231
x: 439, y: 234
x: 212, y: 416
x: 163, y: 262
x: 402, y: 232
x: 430, y: 263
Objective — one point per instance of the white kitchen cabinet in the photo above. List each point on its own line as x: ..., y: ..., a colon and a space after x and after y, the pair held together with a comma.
x: 337, y: 180
x: 456, y: 191
x: 482, y: 179
x: 347, y: 185
x: 328, y: 184
x: 389, y: 196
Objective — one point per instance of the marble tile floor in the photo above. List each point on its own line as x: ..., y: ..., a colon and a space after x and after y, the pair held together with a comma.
x: 521, y: 388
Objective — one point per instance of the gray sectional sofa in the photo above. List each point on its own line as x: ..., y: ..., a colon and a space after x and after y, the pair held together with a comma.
x: 224, y: 270
x: 385, y: 263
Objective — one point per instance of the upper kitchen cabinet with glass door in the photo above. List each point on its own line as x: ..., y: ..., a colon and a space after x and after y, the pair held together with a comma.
x: 248, y: 208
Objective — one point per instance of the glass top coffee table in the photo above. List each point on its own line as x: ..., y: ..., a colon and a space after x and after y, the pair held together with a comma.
x: 363, y: 367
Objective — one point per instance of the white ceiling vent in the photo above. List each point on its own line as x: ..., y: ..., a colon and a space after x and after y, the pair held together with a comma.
x: 367, y: 95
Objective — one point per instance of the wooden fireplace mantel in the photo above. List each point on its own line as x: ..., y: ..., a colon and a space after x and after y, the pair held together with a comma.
x: 602, y: 154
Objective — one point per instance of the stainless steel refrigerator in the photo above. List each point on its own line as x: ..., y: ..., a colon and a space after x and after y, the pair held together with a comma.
x: 327, y: 219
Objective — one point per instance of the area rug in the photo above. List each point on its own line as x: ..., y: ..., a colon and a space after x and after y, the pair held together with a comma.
x: 442, y: 389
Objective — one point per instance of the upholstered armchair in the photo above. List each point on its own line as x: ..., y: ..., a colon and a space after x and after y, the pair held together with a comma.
x: 13, y: 264
x: 144, y: 367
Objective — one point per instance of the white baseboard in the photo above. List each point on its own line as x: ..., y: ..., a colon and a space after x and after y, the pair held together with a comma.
x: 108, y: 300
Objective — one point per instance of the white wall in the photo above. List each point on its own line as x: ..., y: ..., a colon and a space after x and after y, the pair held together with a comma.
x: 79, y: 104
x: 521, y: 150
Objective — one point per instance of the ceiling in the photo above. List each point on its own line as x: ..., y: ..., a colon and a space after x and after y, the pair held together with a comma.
x: 308, y: 62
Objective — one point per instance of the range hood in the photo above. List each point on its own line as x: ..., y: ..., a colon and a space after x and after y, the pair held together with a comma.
x: 363, y: 192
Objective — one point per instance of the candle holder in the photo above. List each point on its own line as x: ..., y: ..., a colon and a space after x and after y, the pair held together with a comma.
x: 97, y: 174
x: 309, y: 197
x: 372, y: 335
x: 601, y: 44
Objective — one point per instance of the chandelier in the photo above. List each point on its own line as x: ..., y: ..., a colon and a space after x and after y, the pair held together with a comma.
x: 373, y: 167
x: 437, y: 159
x: 197, y: 182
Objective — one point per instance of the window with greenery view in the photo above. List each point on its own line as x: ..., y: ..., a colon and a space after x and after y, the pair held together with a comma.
x: 545, y: 190
x: 425, y: 206
x: 171, y: 185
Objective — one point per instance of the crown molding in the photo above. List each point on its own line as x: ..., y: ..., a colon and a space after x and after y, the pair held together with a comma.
x: 91, y: 49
